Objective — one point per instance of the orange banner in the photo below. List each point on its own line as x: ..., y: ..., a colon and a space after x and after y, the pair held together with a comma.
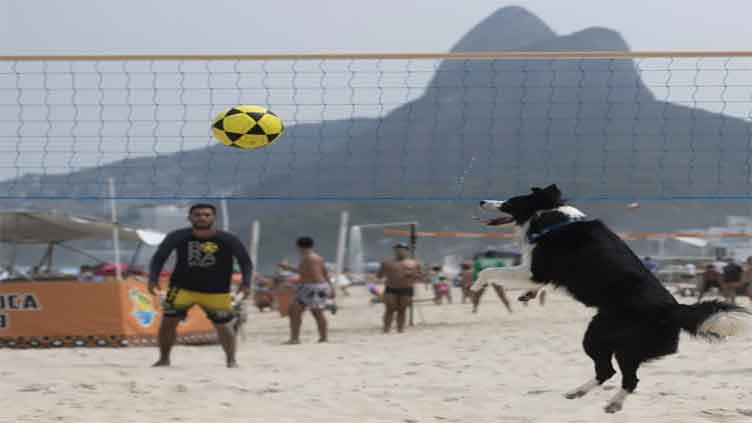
x: 69, y: 313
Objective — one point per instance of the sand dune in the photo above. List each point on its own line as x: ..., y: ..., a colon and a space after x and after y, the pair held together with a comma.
x: 453, y: 366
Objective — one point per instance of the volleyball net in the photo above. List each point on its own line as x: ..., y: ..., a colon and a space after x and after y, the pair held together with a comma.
x: 369, y: 127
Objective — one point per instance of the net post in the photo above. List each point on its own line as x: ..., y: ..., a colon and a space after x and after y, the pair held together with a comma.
x: 115, y: 230
x: 413, y: 239
x: 225, y: 214
x: 341, y: 244
x: 254, y: 244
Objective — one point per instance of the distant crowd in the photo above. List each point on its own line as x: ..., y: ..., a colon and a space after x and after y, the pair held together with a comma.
x: 725, y: 276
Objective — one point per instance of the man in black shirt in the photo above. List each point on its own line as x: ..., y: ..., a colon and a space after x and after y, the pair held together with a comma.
x: 202, y: 276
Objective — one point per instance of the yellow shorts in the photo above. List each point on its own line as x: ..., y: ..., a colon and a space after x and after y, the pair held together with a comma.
x: 217, y: 306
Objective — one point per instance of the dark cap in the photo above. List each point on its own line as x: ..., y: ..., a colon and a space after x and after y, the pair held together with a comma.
x: 401, y: 245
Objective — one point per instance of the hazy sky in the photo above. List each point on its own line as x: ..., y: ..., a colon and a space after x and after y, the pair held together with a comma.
x: 105, y: 26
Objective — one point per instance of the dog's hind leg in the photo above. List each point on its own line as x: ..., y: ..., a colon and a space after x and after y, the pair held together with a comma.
x: 628, y: 364
x: 600, y: 352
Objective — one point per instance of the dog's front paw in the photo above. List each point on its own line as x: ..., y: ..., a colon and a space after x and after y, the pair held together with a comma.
x: 582, y: 390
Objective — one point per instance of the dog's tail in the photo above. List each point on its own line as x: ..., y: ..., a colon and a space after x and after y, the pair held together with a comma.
x: 712, y: 320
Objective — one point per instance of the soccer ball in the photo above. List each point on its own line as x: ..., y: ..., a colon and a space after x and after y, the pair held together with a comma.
x: 247, y: 127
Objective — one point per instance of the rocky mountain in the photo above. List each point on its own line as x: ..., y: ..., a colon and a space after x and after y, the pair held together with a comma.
x: 481, y: 129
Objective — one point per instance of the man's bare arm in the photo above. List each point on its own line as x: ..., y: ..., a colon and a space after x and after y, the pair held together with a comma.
x: 421, y: 276
x: 168, y: 244
x: 380, y: 275
x: 285, y: 266
x: 324, y: 270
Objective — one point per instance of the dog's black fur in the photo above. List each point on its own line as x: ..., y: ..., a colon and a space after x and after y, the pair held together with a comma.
x: 638, y: 319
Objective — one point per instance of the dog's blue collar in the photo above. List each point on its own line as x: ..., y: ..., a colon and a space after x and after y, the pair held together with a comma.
x: 533, y: 237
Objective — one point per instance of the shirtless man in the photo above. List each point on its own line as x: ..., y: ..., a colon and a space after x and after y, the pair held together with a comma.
x: 399, y: 274
x: 313, y: 291
x: 466, y: 280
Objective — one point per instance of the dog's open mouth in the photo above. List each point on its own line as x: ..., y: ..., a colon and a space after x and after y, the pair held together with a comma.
x: 494, y: 207
x: 502, y: 220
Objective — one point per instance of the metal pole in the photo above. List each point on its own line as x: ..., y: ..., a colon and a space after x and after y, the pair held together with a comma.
x: 115, y: 230
x: 82, y: 252
x: 225, y: 215
x: 13, y: 256
x: 49, y: 258
x: 341, y: 244
x: 413, y: 239
x: 662, y: 248
x: 134, y: 258
x: 387, y: 224
x: 254, y: 241
x: 46, y: 261
x: 413, y: 242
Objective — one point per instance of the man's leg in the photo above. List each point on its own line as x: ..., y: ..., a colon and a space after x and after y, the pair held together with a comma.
x: 166, y: 338
x: 727, y: 290
x: 502, y: 296
x: 296, y: 320
x: 228, y: 340
x: 321, y: 324
x: 735, y: 289
x: 390, y: 307
x: 732, y: 292
x: 403, y: 302
x: 476, y: 296
x: 702, y: 288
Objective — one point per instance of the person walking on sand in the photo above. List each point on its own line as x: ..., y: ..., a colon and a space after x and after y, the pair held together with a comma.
x: 314, y: 289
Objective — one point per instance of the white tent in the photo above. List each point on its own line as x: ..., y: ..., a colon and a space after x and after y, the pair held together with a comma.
x: 693, y: 241
x: 51, y: 227
x: 54, y: 229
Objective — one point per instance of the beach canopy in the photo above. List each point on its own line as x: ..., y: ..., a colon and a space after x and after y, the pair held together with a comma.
x: 50, y: 227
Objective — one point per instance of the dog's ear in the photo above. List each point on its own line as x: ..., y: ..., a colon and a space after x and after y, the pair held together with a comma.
x: 553, y: 193
x: 553, y: 189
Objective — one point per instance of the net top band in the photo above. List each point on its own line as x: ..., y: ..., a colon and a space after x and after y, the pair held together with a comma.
x: 498, y: 55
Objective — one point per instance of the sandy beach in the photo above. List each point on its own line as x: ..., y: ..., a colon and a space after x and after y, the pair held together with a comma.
x: 452, y: 366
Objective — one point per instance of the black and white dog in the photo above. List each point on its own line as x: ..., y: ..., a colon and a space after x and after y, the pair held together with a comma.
x: 638, y: 319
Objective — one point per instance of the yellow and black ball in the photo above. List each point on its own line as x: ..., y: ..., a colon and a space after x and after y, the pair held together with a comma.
x: 247, y: 127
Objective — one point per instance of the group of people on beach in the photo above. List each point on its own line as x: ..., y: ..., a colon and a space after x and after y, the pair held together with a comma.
x: 204, y: 266
x: 202, y: 276
x: 729, y: 277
